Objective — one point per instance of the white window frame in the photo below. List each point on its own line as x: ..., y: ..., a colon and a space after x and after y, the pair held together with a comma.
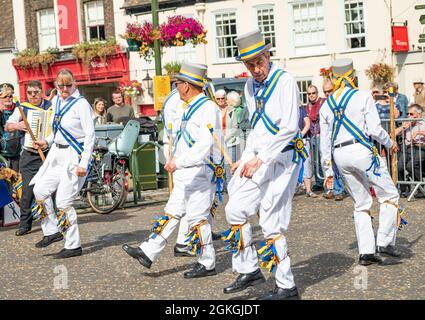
x: 268, y: 7
x: 97, y: 24
x: 320, y: 46
x: 344, y: 23
x: 217, y: 59
x: 302, y: 93
x: 39, y: 31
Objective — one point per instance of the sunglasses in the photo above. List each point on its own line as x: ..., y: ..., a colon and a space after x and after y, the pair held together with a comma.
x: 311, y: 93
x: 61, y: 86
x: 7, y: 97
x: 33, y: 92
x: 375, y: 92
x: 327, y: 91
x: 220, y: 98
x: 410, y: 114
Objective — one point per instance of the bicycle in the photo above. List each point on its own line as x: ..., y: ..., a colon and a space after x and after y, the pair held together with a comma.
x: 106, y: 185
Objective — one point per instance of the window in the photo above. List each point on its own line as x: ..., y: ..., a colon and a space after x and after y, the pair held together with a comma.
x: 225, y: 24
x: 265, y: 18
x: 354, y: 24
x: 46, y: 29
x: 302, y: 86
x: 309, y: 27
x: 95, y: 22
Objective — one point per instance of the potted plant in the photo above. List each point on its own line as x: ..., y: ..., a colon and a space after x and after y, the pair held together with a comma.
x: 178, y: 31
x: 172, y: 68
x: 90, y: 51
x: 380, y: 73
x: 326, y: 73
x: 30, y: 58
x: 133, y: 36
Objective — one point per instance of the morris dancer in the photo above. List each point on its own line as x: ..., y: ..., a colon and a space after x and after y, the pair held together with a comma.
x: 348, y: 122
x: 172, y: 112
x: 66, y: 165
x: 192, y: 178
x: 266, y: 176
x: 30, y: 161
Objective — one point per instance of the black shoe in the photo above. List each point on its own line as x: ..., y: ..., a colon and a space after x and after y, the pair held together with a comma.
x: 68, y: 253
x: 281, y: 294
x: 199, y: 271
x: 48, y: 240
x: 181, y: 250
x: 404, y: 194
x: 138, y: 254
x: 388, y: 250
x: 245, y: 280
x: 22, y: 232
x: 216, y: 236
x: 367, y: 259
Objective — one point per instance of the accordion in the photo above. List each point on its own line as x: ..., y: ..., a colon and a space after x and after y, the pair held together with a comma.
x: 39, y: 122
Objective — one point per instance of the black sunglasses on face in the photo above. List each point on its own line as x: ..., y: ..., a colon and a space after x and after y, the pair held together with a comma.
x: 311, y: 93
x: 61, y: 86
x: 31, y: 92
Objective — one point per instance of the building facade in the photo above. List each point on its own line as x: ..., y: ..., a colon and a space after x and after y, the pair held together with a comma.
x: 307, y: 35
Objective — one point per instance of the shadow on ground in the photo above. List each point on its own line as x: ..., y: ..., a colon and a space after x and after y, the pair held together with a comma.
x: 307, y: 273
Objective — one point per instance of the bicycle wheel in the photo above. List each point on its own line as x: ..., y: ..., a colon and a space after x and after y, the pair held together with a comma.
x: 106, y: 193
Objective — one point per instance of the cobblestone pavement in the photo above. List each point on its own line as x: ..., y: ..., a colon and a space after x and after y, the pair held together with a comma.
x: 321, y: 242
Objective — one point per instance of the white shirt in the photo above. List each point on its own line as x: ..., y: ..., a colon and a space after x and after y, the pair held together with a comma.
x: 362, y: 112
x: 172, y: 111
x: 282, y: 109
x: 78, y: 122
x: 185, y: 156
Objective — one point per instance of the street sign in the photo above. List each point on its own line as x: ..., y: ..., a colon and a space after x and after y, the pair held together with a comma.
x: 420, y: 7
x: 422, y: 36
x: 421, y: 40
x: 162, y: 88
x: 422, y: 19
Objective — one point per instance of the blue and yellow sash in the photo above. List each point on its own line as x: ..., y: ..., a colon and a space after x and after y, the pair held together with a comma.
x: 59, y: 113
x: 340, y: 119
x: 186, y: 117
x: 261, y: 101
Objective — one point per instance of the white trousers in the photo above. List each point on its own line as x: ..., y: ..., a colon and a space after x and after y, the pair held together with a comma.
x: 273, y: 198
x: 192, y: 195
x: 352, y: 162
x: 60, y: 176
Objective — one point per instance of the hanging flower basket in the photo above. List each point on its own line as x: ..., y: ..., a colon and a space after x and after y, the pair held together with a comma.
x: 133, y: 45
x: 380, y: 73
x: 131, y: 88
x: 176, y: 32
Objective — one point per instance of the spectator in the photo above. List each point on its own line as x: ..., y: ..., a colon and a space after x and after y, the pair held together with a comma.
x: 338, y: 191
x: 383, y: 105
x: 312, y: 108
x: 375, y: 92
x: 306, y: 172
x: 10, y: 142
x: 119, y: 109
x: 30, y: 161
x: 414, y: 139
x: 99, y: 111
x: 231, y: 136
x: 401, y: 100
x: 418, y: 96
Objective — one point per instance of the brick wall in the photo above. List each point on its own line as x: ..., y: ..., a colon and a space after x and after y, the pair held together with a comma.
x: 31, y: 8
x: 108, y: 11
x: 7, y: 29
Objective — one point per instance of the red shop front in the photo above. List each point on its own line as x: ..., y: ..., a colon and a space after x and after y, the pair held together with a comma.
x: 99, y: 79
